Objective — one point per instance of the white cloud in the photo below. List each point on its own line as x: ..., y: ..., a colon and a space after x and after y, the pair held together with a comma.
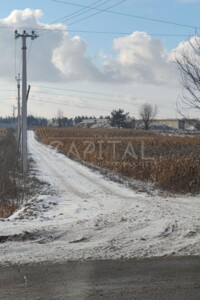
x: 57, y: 56
x: 23, y: 17
x: 140, y: 59
x: 40, y: 65
x: 137, y: 58
x: 187, y: 47
x: 70, y: 58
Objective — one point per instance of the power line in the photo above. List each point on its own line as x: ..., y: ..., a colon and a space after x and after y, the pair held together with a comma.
x: 134, y: 16
x: 29, y: 52
x: 136, y: 102
x: 7, y: 104
x: 7, y: 98
x: 77, y: 12
x: 104, y: 100
x: 68, y: 104
x: 15, y: 57
x: 90, y: 98
x: 83, y: 107
x: 74, y: 96
x: 72, y: 14
x: 130, y: 15
x: 7, y: 90
x: 112, y: 32
x: 98, y: 12
x: 121, y: 33
x: 80, y: 91
x: 82, y: 11
x: 20, y: 63
x: 99, y: 32
x: 120, y: 96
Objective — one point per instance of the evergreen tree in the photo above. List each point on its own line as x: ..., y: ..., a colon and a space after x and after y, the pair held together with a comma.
x: 118, y: 118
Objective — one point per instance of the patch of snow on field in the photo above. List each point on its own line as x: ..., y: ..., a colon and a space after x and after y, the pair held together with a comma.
x: 85, y: 216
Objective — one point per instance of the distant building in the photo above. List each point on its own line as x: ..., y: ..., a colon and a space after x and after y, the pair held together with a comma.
x: 168, y: 123
x: 103, y: 123
x: 87, y: 123
x: 157, y: 124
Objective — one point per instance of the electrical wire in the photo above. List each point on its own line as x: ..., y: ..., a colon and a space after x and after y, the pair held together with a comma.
x: 194, y: 27
x: 96, y: 13
x: 7, y: 98
x: 138, y: 101
x: 80, y: 12
x: 113, y: 32
x: 68, y: 104
x: 119, y: 33
x: 101, y: 32
x: 89, y: 98
x: 74, y: 96
x: 15, y: 58
x: 78, y: 106
x: 20, y: 63
x: 80, y: 91
x: 8, y: 105
x: 7, y: 90
x: 72, y: 14
x: 131, y: 15
x: 29, y: 52
x: 99, y: 12
x: 120, y: 96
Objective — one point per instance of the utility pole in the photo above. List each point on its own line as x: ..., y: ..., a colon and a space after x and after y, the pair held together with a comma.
x: 14, y: 108
x: 24, y: 36
x: 18, y: 107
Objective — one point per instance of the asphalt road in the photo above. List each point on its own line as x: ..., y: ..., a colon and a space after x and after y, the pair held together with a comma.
x: 165, y: 278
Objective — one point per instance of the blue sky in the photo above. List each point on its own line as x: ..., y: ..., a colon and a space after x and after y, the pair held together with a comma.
x: 183, y: 12
x: 101, y: 57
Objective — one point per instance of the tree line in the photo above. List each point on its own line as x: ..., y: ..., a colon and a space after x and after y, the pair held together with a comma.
x: 117, y: 118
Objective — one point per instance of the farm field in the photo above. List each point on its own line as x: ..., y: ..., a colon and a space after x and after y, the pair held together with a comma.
x: 170, y: 162
x: 78, y: 214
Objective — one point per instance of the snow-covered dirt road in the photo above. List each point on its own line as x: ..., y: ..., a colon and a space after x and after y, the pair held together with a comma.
x: 83, y: 215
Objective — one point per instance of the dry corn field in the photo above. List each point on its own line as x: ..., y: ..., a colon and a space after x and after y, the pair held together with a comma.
x: 171, y: 162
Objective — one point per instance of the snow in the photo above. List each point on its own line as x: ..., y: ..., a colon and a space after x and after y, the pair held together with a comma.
x: 83, y: 215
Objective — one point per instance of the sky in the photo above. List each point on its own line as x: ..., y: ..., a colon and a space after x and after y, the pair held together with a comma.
x: 91, y: 57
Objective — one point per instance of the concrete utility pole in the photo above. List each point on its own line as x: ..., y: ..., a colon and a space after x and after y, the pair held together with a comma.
x: 24, y: 36
x: 14, y: 108
x: 18, y: 107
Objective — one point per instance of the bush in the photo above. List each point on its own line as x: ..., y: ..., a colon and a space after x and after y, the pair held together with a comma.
x: 9, y: 189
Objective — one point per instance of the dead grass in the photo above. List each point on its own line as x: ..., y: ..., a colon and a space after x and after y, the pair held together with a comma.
x: 7, y: 210
x: 3, y: 132
x: 9, y: 188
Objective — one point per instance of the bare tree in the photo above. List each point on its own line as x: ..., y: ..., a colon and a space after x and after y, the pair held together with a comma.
x: 188, y: 62
x: 147, y: 114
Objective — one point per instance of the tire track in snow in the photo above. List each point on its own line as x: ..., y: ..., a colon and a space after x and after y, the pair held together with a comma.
x: 78, y: 180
